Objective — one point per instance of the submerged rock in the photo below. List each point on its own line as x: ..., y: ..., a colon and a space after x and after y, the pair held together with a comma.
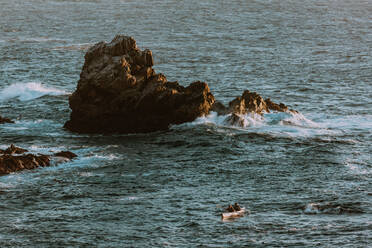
x: 17, y: 159
x: 234, y: 120
x: 119, y: 92
x: 5, y: 120
x: 65, y: 154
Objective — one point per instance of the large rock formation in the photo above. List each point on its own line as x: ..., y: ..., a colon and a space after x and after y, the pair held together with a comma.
x: 16, y: 159
x: 118, y: 91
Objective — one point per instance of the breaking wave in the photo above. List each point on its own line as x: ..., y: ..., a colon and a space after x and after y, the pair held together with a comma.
x: 276, y: 123
x: 28, y: 91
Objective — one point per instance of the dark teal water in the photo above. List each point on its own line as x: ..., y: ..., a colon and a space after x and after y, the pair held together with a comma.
x: 305, y: 178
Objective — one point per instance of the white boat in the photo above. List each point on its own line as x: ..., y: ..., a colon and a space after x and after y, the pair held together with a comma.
x: 234, y: 214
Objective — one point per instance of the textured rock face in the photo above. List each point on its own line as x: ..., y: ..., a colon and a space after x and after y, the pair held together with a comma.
x: 119, y: 92
x: 5, y: 120
x: 17, y: 159
x: 14, y: 159
x: 251, y: 102
x: 10, y: 163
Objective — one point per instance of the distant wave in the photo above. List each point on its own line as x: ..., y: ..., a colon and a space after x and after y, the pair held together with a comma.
x: 333, y: 208
x: 28, y: 91
x: 38, y: 39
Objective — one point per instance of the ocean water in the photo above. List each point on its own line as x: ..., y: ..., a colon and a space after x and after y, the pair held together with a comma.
x: 306, y: 179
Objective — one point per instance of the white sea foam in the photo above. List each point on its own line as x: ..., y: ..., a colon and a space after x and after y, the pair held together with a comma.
x: 104, y: 157
x: 46, y: 149
x: 350, y: 121
x: 276, y: 123
x: 86, y: 174
x: 4, y: 186
x: 312, y: 208
x: 28, y: 91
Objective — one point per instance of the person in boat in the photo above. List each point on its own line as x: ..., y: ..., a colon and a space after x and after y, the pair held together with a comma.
x: 230, y: 208
x: 237, y: 207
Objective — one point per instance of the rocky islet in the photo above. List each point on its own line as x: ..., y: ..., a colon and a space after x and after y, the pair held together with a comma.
x: 15, y: 159
x: 119, y: 92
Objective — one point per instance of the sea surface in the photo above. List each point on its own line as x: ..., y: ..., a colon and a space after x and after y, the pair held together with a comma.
x: 306, y: 179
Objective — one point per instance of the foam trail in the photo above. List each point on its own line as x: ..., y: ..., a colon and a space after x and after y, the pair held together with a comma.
x: 28, y: 91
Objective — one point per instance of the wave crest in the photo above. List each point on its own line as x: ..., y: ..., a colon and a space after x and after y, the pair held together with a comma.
x: 28, y: 91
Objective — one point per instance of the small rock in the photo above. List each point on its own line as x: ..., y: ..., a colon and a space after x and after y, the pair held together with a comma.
x: 12, y: 149
x: 66, y: 154
x: 219, y: 108
x: 249, y: 102
x: 5, y: 120
x: 235, y: 120
x: 14, y: 159
x: 13, y: 163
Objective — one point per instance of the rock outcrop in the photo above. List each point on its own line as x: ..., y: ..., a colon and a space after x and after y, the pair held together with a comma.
x: 119, y: 92
x: 17, y: 159
x: 65, y: 154
x: 5, y: 120
x: 248, y: 103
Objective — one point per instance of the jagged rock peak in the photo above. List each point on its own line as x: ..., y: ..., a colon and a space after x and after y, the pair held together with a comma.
x: 119, y: 92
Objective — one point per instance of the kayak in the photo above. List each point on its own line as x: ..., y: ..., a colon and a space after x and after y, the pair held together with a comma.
x: 235, y: 214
